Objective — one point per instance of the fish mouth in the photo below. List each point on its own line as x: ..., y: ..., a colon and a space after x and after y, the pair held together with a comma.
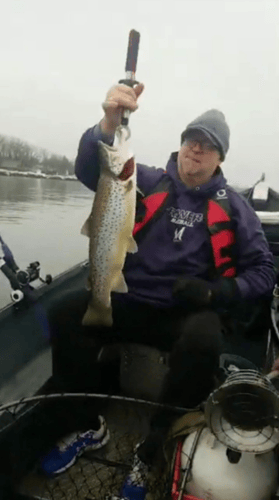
x: 127, y: 170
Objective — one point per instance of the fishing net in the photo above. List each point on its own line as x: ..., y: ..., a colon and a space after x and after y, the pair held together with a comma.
x: 31, y: 427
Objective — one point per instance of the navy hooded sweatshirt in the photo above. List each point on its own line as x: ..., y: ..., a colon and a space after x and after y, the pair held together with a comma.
x: 178, y: 243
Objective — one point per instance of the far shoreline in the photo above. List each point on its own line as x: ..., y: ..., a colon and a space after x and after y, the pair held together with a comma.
x: 36, y: 175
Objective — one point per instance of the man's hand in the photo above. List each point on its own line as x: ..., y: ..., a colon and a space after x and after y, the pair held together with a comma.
x: 196, y: 293
x: 119, y: 97
x: 193, y: 292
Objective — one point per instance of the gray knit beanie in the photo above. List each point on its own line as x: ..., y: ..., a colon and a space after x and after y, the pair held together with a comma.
x: 213, y: 124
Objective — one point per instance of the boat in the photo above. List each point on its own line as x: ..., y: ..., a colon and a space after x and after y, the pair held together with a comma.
x: 24, y: 335
x: 28, y: 422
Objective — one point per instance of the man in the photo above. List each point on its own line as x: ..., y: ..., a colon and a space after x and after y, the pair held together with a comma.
x: 200, y: 255
x: 179, y: 238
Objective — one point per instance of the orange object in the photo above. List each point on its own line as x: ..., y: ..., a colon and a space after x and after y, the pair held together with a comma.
x: 176, y: 477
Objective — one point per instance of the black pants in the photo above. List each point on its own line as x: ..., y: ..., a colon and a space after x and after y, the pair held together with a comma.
x: 195, y: 342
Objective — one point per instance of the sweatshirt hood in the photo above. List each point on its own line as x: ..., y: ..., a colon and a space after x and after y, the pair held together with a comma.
x: 217, y: 182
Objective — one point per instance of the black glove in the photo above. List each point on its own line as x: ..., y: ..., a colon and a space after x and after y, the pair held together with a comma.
x: 192, y: 292
x: 225, y: 293
x: 196, y: 293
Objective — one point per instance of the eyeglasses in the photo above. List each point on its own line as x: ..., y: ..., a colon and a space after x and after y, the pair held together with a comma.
x: 205, y: 145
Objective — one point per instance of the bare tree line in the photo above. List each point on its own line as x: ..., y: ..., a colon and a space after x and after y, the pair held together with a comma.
x: 30, y: 157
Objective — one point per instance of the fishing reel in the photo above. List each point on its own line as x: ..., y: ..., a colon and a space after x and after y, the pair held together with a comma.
x: 25, y: 277
x: 31, y: 273
x: 19, y: 279
x: 243, y: 413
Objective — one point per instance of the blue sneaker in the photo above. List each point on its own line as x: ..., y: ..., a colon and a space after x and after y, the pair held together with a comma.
x: 134, y: 487
x: 71, y: 447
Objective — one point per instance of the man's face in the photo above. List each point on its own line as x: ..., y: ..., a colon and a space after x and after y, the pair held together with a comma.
x: 197, y: 160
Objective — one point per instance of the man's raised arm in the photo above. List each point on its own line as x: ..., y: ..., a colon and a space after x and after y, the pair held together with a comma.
x: 119, y: 97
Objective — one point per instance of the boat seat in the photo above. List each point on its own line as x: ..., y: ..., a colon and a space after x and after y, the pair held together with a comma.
x: 260, y: 195
x: 142, y: 368
x: 265, y: 202
x: 270, y: 224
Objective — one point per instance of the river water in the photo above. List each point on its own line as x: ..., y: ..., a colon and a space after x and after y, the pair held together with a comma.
x: 40, y: 220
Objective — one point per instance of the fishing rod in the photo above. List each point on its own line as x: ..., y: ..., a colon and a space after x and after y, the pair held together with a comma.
x: 19, y: 279
x: 130, y: 69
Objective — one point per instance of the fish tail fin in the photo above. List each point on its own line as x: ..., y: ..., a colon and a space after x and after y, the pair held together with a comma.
x: 97, y: 315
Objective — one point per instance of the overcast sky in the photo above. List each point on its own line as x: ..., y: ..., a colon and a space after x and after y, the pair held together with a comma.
x: 59, y: 58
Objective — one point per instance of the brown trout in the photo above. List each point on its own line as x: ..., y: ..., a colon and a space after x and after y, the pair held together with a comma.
x: 110, y: 227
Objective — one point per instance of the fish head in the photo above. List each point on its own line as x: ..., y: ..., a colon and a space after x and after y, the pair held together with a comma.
x: 119, y: 165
